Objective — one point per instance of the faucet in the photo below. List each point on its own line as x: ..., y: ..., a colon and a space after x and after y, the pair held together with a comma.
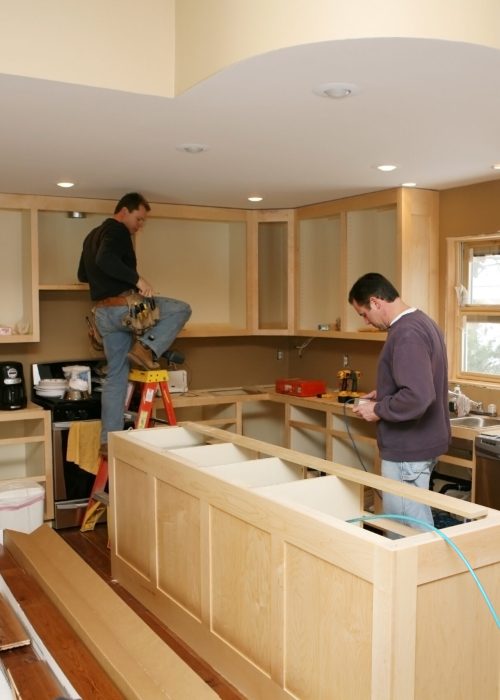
x: 463, y: 405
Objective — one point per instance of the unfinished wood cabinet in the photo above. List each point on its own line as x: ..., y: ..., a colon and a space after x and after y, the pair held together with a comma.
x: 199, y: 255
x: 19, y: 317
x: 269, y: 576
x: 271, y: 271
x: 279, y: 272
x: 392, y: 232
x: 60, y: 240
x: 26, y: 450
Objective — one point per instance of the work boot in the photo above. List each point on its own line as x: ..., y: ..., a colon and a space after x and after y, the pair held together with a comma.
x: 142, y: 357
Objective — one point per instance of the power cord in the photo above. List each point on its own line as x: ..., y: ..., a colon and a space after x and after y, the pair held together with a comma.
x: 427, y: 526
x: 355, y: 447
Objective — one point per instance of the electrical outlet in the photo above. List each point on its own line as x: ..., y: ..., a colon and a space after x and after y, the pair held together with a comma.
x: 280, y: 354
x: 346, y: 360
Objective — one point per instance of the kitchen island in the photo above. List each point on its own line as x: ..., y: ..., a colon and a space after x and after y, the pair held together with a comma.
x: 269, y: 575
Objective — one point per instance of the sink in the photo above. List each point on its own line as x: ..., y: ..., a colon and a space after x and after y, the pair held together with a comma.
x: 475, y: 422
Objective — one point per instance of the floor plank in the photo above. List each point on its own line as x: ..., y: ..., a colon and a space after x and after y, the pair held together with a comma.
x: 72, y: 656
x: 12, y: 633
x: 92, y: 546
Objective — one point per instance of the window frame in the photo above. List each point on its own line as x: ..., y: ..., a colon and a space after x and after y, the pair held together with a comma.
x: 456, y: 313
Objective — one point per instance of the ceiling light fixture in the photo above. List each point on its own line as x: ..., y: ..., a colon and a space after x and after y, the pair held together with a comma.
x: 192, y: 148
x: 495, y: 166
x: 408, y: 184
x: 255, y: 199
x: 386, y: 168
x: 76, y: 215
x: 65, y: 184
x: 336, y: 91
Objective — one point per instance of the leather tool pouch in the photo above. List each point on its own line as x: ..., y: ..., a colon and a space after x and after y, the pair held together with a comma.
x: 142, y: 313
x: 94, y: 335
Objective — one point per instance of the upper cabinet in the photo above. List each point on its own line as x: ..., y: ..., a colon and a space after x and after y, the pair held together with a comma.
x: 279, y: 272
x: 392, y: 232
x: 19, y: 318
x: 271, y: 272
x: 199, y: 255
x: 60, y: 239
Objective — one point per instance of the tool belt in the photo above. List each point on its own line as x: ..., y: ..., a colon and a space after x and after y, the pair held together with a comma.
x: 142, y: 313
x: 112, y: 301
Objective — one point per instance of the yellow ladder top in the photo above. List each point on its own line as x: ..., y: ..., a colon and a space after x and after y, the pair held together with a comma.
x: 147, y: 376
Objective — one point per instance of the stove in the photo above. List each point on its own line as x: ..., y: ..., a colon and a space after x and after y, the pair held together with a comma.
x: 72, y: 485
x: 64, y: 409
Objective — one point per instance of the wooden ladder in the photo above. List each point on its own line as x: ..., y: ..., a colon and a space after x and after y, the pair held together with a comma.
x: 152, y: 381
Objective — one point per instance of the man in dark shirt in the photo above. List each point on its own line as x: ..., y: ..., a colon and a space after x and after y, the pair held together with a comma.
x: 410, y: 402
x: 108, y: 263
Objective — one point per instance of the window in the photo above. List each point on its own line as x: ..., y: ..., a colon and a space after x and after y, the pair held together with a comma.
x: 475, y: 333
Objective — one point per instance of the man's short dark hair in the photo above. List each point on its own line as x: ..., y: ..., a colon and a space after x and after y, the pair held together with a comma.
x: 132, y: 201
x: 372, y: 285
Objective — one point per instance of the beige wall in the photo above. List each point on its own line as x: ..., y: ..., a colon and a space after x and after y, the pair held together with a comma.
x: 210, y: 362
x: 466, y: 211
x: 121, y: 45
x: 163, y: 47
x: 226, y: 31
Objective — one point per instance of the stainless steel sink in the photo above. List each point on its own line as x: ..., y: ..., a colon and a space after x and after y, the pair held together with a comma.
x: 475, y: 422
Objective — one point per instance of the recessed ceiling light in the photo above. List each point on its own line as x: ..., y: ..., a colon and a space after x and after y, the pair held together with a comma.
x: 386, y: 168
x: 192, y: 147
x: 336, y: 91
x: 66, y: 184
x: 408, y: 184
x: 496, y: 166
x: 255, y: 199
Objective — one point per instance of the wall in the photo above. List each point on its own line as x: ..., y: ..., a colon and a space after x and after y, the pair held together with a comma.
x: 163, y: 47
x: 466, y: 211
x: 210, y: 362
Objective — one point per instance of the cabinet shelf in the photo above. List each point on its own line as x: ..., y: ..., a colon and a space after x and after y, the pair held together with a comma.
x: 22, y: 440
x: 26, y: 450
x: 63, y: 287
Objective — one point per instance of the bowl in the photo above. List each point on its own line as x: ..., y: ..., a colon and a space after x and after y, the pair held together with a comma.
x: 50, y: 392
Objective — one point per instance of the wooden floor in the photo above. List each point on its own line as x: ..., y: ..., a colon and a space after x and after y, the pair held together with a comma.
x: 92, y: 546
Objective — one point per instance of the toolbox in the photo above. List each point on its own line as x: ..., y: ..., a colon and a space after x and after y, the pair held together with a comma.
x: 301, y: 387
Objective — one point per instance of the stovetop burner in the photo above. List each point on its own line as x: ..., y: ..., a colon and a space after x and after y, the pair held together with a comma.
x: 66, y: 409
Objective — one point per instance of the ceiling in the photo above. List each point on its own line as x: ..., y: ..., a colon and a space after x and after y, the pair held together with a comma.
x: 431, y: 107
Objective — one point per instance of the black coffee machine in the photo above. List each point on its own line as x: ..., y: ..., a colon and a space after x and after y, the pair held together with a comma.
x: 12, y: 389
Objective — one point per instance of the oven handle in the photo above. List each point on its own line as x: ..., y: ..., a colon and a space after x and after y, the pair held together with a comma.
x: 62, y: 425
x: 71, y: 505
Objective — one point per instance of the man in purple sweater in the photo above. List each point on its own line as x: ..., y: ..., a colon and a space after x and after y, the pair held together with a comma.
x: 410, y: 402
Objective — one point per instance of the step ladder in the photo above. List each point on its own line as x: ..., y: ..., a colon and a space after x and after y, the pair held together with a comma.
x: 150, y: 382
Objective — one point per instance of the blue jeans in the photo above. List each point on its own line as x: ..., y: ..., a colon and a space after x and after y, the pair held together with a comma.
x: 416, y: 473
x: 118, y: 339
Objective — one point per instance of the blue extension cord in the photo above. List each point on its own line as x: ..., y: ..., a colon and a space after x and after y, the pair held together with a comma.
x: 462, y: 556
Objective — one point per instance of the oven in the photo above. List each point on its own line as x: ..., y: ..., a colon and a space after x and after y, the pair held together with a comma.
x: 72, y: 485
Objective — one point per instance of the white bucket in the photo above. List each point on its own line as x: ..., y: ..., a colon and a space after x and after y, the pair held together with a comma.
x: 21, y: 506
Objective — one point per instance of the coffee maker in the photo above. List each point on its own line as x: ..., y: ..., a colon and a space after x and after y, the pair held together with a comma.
x: 12, y: 389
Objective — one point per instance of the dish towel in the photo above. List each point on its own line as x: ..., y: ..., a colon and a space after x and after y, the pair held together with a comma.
x: 83, y: 444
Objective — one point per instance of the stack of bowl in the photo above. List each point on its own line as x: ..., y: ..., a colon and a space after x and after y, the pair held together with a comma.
x: 51, y: 388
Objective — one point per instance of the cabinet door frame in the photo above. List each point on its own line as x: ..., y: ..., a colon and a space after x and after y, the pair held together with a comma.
x: 255, y: 284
